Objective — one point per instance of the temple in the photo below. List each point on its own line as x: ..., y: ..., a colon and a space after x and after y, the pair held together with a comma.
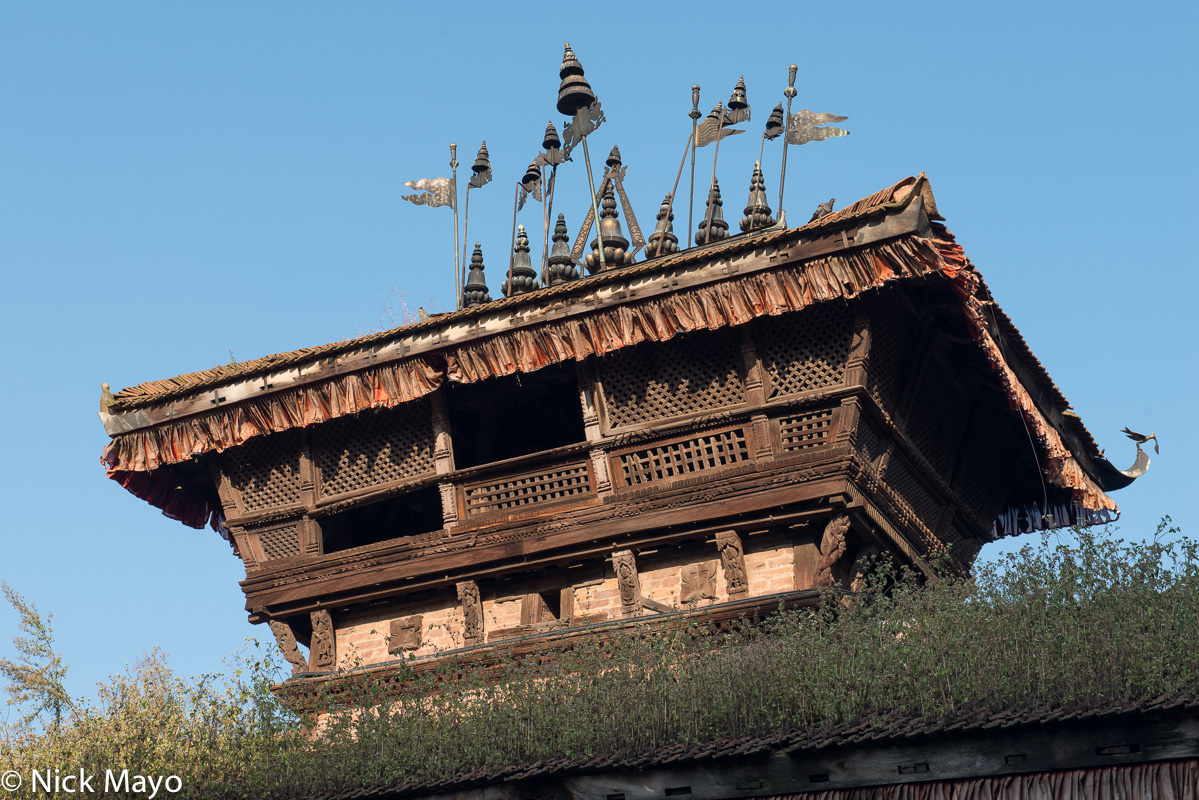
x: 723, y: 429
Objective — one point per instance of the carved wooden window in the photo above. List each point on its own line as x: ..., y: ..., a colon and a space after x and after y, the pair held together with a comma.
x: 685, y: 457
x: 935, y: 420
x: 374, y: 447
x: 806, y: 430
x: 807, y: 349
x: 279, y: 541
x: 892, y: 334
x: 266, y: 470
x: 683, y: 376
x: 530, y: 488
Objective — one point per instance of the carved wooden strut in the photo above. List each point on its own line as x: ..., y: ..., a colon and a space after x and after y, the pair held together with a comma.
x: 287, y: 644
x: 323, y: 655
x: 472, y: 612
x: 832, y: 548
x: 732, y: 558
x: 627, y: 581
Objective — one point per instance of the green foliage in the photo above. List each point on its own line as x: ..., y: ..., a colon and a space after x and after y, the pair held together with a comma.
x: 1067, y: 627
x: 36, y: 678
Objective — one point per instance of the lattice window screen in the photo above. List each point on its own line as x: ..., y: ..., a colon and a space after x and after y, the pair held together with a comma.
x: 978, y: 479
x: 266, y: 470
x: 870, y: 441
x: 892, y: 334
x: 374, y: 447
x: 682, y: 376
x: 711, y: 451
x: 934, y: 423
x: 806, y: 430
x: 561, y: 483
x: 806, y: 349
x: 912, y: 491
x: 279, y: 542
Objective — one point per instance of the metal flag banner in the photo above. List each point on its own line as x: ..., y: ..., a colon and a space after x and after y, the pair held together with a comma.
x: 440, y: 192
x: 803, y: 127
x: 711, y: 129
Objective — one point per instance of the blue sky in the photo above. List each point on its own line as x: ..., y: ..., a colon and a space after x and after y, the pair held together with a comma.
x: 179, y: 184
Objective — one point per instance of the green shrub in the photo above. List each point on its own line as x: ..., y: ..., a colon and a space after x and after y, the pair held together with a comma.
x: 1069, y: 627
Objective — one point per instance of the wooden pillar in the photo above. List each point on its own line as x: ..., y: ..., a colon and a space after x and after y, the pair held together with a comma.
x: 443, y: 457
x: 755, y: 394
x: 589, y: 399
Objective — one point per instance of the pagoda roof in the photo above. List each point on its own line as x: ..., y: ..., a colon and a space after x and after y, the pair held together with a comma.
x: 892, y: 236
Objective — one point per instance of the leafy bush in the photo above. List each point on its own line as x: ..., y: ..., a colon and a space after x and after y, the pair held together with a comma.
x: 1069, y: 627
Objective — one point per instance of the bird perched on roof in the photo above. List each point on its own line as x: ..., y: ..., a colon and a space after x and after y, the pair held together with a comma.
x: 823, y: 209
x: 1141, y: 438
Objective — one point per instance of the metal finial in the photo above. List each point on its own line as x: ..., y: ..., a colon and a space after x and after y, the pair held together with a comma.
x: 482, y: 160
x: 475, y: 292
x: 524, y: 277
x: 719, y: 228
x: 739, y: 99
x: 453, y: 155
x: 551, y: 141
x: 664, y: 229
x: 481, y: 168
x: 574, y: 92
x: 561, y: 270
x: 613, y: 160
x: 774, y: 125
x: 695, y: 112
x: 757, y: 210
x: 790, y: 92
x: 615, y: 245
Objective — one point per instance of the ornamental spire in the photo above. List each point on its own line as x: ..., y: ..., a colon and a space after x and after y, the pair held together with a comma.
x: 524, y: 277
x: 757, y: 210
x: 475, y: 293
x: 561, y: 269
x: 714, y: 219
x: 664, y: 229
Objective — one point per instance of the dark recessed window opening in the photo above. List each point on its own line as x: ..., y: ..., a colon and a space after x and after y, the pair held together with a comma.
x: 502, y: 418
x: 405, y: 515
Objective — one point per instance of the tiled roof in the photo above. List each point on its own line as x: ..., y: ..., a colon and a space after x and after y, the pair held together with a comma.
x: 792, y: 741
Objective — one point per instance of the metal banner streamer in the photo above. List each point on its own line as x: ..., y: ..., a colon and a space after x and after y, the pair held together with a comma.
x: 440, y: 192
x: 802, y: 127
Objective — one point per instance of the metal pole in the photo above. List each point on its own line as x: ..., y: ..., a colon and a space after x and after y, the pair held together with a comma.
x: 694, y: 114
x: 790, y: 94
x: 545, y: 255
x: 670, y: 205
x: 512, y: 248
x: 454, y: 167
x: 599, y: 238
x: 712, y: 187
x: 545, y: 212
x: 465, y: 239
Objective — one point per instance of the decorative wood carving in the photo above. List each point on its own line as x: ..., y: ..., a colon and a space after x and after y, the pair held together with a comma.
x: 472, y: 612
x: 732, y: 557
x: 443, y: 449
x: 310, y: 536
x: 406, y: 634
x: 764, y: 438
x: 599, y: 466
x: 627, y: 581
x: 287, y: 644
x: 323, y: 653
x: 585, y: 372
x: 832, y: 548
x: 449, y: 504
x: 698, y: 582
x: 751, y: 365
